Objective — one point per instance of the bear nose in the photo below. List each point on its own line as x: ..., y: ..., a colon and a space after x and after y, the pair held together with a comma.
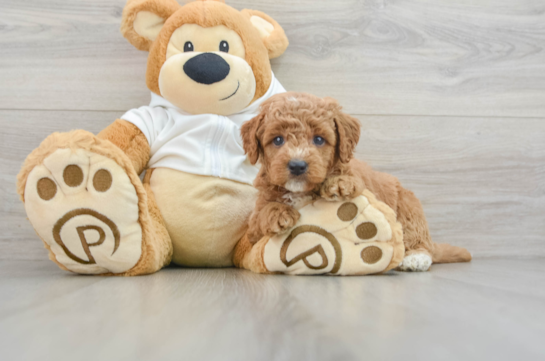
x: 207, y: 68
x: 297, y: 167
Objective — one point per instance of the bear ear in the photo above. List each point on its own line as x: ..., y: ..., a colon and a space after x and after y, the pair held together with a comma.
x: 270, y: 31
x: 142, y: 20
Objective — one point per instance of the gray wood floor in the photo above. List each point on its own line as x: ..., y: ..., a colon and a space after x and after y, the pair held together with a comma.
x: 486, y: 310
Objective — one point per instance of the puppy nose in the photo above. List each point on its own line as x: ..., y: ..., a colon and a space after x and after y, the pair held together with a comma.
x: 297, y: 167
x: 207, y: 68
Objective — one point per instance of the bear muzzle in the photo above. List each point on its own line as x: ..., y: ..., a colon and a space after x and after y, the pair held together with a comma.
x: 207, y: 68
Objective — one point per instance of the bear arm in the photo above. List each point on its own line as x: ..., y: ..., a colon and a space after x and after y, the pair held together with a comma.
x: 130, y: 140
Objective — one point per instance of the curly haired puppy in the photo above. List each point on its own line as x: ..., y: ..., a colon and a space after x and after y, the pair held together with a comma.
x: 305, y: 145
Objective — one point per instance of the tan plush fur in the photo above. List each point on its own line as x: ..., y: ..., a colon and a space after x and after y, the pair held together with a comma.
x: 205, y: 216
x: 332, y: 172
x: 156, y: 251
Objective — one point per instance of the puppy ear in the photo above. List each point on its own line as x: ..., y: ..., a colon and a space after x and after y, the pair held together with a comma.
x: 142, y: 20
x: 270, y: 31
x: 348, y: 130
x: 250, y: 142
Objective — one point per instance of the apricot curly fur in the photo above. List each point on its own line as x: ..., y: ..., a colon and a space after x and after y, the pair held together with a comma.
x: 274, y: 218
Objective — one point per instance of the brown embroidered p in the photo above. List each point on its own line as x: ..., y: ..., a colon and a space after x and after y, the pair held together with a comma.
x: 81, y: 230
x: 317, y: 249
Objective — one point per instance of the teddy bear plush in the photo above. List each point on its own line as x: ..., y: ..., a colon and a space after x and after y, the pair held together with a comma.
x: 208, y: 72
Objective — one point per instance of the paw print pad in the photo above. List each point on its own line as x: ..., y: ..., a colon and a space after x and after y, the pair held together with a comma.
x: 355, y: 237
x: 85, y: 208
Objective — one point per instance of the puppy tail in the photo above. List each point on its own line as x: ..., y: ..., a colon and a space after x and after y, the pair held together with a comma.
x: 445, y: 253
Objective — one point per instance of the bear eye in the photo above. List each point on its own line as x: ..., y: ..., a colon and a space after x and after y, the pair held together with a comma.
x: 318, y: 141
x: 224, y: 46
x: 278, y: 141
x: 188, y: 46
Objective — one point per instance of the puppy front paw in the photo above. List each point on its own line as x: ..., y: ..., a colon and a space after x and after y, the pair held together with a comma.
x: 343, y: 186
x: 278, y: 218
x: 254, y: 235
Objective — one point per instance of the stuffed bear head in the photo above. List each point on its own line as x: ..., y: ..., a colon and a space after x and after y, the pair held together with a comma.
x: 205, y: 56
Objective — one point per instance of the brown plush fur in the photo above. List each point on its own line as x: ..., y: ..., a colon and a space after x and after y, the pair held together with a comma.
x: 250, y: 256
x: 206, y: 14
x: 156, y: 245
x: 130, y: 140
x: 163, y: 8
x: 331, y: 174
x: 277, y: 42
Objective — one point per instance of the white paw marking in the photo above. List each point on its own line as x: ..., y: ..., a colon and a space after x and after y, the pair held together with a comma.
x: 416, y: 262
x: 84, y: 206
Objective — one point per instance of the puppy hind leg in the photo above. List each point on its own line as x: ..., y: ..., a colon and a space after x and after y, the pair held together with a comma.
x: 416, y: 234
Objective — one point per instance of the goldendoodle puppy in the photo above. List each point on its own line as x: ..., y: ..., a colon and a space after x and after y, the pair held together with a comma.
x: 305, y: 145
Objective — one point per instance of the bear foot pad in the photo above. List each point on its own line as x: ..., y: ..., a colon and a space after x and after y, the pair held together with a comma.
x: 355, y: 237
x: 85, y: 208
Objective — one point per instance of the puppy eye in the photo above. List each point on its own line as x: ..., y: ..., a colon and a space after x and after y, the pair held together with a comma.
x: 224, y: 46
x: 278, y: 141
x: 188, y: 46
x: 318, y: 140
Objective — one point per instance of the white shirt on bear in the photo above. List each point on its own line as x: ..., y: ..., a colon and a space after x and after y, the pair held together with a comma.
x: 204, y: 144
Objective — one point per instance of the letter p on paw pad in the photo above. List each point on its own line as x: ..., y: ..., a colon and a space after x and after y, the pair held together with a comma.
x: 356, y: 237
x: 85, y: 208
